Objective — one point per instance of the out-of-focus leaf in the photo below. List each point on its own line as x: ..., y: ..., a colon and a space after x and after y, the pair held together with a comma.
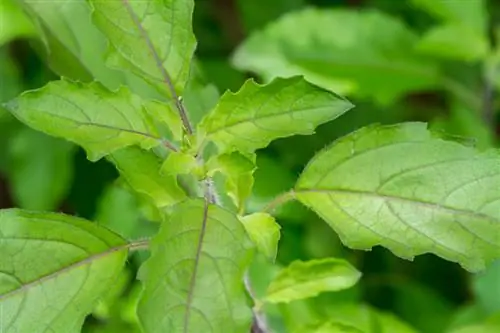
x: 455, y: 42
x: 486, y: 287
x: 374, y: 55
x: 443, y: 200
x: 200, y: 288
x: 264, y: 233
x: 141, y: 170
x: 153, y: 39
x: 40, y: 169
x: 307, y: 279
x: 253, y: 17
x: 388, y: 323
x: 99, y: 120
x: 329, y: 327
x: 469, y: 314
x: 254, y: 116
x: 14, y: 24
x: 53, y: 270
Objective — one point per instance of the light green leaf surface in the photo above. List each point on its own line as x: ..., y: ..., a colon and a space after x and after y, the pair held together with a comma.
x: 178, y: 163
x: 99, y: 120
x: 200, y: 288
x: 264, y: 233
x: 151, y: 38
x: 141, y: 170
x: 40, y: 169
x: 406, y: 189
x: 374, y: 55
x: 486, y: 288
x: 307, y: 279
x: 166, y: 115
x: 329, y: 327
x: 13, y: 22
x: 257, y: 114
x: 53, y: 270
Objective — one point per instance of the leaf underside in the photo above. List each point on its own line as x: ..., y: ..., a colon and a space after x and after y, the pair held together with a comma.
x: 406, y: 189
x: 53, y: 269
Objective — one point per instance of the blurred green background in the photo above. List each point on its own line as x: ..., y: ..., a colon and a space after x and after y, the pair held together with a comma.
x: 395, y: 60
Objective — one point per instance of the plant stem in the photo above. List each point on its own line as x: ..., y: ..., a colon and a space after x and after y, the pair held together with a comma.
x: 139, y: 245
x: 259, y: 324
x: 279, y: 200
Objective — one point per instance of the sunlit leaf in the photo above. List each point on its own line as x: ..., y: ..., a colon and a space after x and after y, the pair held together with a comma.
x: 374, y: 55
x: 99, y: 120
x: 257, y: 114
x: 53, y: 270
x: 200, y: 288
x: 151, y: 38
x: 141, y: 170
x: 264, y: 233
x: 406, y: 189
x: 307, y: 279
x: 329, y: 327
x: 40, y: 169
x: 178, y: 163
x: 15, y: 24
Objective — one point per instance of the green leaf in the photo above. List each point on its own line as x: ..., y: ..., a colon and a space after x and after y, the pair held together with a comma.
x: 99, y: 120
x: 15, y: 24
x: 264, y: 233
x: 141, y: 170
x: 53, y: 270
x: 487, y: 289
x: 307, y: 279
x: 470, y: 13
x: 151, y: 38
x: 200, y: 288
x: 40, y: 170
x: 238, y: 170
x: 166, y: 115
x: 178, y: 163
x: 442, y: 200
x: 454, y: 42
x: 329, y: 327
x: 374, y: 55
x: 254, y: 116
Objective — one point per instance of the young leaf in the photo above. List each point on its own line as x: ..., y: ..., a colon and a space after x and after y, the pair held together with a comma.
x: 200, y: 288
x: 307, y: 279
x: 264, y: 233
x: 151, y: 38
x: 40, y: 170
x: 99, y: 120
x: 404, y: 188
x: 178, y: 163
x: 373, y: 56
x: 141, y: 170
x: 53, y: 269
x: 254, y: 116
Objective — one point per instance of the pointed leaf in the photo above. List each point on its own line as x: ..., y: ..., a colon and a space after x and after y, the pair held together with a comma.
x: 264, y: 233
x: 141, y: 170
x: 151, y: 38
x: 53, y: 269
x: 374, y: 55
x: 200, y: 288
x: 99, y: 120
x: 307, y: 279
x: 257, y: 114
x: 410, y: 191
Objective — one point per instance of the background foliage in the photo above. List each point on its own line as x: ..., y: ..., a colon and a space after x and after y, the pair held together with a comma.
x: 424, y: 60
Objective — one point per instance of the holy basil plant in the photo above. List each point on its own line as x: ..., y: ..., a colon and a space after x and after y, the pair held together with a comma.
x: 401, y: 186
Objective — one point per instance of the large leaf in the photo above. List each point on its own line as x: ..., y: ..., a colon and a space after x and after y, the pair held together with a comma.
x: 40, y: 169
x: 373, y: 56
x: 15, y: 24
x: 99, y: 120
x: 254, y: 116
x: 53, y: 269
x: 200, y: 288
x: 307, y: 279
x: 406, y: 189
x: 151, y: 38
x: 141, y: 170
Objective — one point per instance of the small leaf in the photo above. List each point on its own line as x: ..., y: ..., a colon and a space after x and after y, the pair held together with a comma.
x: 151, y: 38
x: 373, y: 57
x: 251, y: 118
x: 178, y: 163
x: 166, y: 115
x: 40, y: 170
x: 307, y: 279
x: 200, y: 288
x: 99, y: 120
x: 141, y: 170
x: 53, y: 269
x: 238, y: 170
x: 443, y: 200
x: 264, y: 233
